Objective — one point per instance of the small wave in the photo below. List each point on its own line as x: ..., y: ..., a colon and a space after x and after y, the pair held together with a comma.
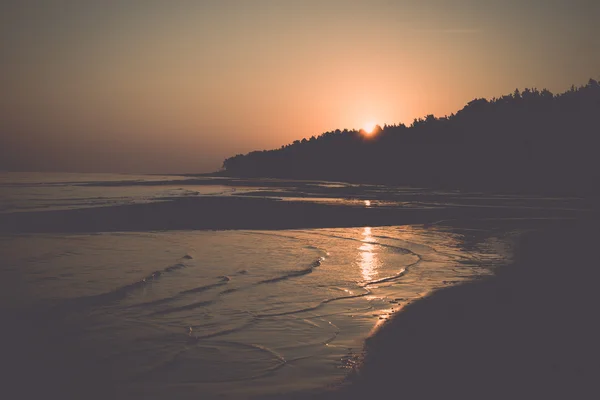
x: 321, y: 304
x: 199, y: 289
x: 388, y: 278
x: 174, y: 267
x: 118, y: 293
x: 354, y: 296
x: 290, y: 237
x: 288, y: 276
x: 224, y: 280
x: 400, y: 274
x: 294, y: 274
x: 398, y: 249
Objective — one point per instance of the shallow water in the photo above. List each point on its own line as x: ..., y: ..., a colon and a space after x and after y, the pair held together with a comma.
x: 176, y: 314
x: 60, y: 191
x: 232, y: 312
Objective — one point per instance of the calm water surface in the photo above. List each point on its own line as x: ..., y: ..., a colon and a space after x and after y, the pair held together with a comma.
x: 233, y: 313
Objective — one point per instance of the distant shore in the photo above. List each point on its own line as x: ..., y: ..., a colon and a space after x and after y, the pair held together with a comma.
x: 529, y: 332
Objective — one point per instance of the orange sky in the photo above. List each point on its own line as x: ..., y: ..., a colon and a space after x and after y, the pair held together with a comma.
x: 156, y: 86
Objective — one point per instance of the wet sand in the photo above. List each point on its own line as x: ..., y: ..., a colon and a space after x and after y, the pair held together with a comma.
x: 250, y: 213
x: 529, y: 332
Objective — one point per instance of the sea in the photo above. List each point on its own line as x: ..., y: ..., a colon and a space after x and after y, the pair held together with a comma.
x: 234, y: 313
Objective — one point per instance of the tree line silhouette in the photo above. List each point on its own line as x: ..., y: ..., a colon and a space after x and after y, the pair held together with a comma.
x: 527, y: 141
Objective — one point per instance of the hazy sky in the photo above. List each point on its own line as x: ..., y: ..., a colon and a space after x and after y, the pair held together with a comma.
x: 177, y: 86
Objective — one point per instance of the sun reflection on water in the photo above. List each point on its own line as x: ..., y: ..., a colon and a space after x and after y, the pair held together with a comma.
x: 368, y: 260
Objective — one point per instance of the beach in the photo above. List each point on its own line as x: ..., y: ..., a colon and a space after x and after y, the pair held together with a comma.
x: 176, y: 288
x: 334, y: 199
x: 530, y: 331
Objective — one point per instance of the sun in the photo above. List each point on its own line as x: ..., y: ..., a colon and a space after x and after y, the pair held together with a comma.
x: 369, y: 127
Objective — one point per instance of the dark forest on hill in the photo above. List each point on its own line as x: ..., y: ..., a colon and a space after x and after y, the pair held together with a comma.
x: 528, y: 141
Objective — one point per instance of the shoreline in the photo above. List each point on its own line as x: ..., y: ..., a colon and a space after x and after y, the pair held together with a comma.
x: 527, y: 332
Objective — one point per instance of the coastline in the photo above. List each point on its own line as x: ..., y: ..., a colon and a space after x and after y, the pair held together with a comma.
x: 528, y: 332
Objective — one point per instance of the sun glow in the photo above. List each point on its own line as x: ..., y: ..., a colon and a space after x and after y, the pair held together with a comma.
x: 369, y: 128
